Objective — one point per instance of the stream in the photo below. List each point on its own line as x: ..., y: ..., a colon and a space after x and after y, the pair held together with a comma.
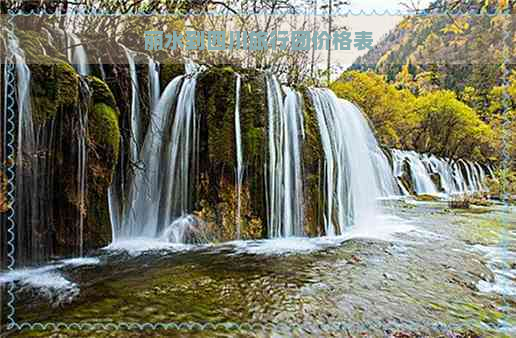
x: 435, y: 271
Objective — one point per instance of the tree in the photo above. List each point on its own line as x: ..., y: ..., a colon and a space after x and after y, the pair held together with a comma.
x: 390, y: 110
x: 450, y: 128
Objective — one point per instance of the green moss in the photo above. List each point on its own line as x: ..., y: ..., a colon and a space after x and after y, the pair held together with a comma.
x: 103, y: 127
x: 216, y: 191
x: 254, y: 138
x: 104, y: 136
x: 101, y: 92
x: 54, y: 87
x: 312, y: 164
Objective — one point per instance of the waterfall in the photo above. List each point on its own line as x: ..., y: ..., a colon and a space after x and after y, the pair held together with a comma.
x: 482, y: 177
x: 387, y: 183
x: 285, y: 182
x: 38, y: 144
x: 154, y: 88
x: 27, y: 168
x: 239, y: 156
x: 128, y: 217
x: 145, y: 204
x: 445, y: 171
x: 135, y: 106
x: 351, y: 181
x: 420, y: 176
x: 77, y: 54
x: 82, y: 159
x: 450, y: 173
x: 460, y: 181
x: 160, y: 192
x: 181, y: 152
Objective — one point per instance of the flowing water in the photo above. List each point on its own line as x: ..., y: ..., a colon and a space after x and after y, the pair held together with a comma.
x: 370, y: 269
x: 285, y: 132
x: 454, y: 177
x: 77, y: 54
x: 160, y: 189
x: 27, y: 167
x: 420, y: 176
x: 428, y: 279
x: 136, y: 120
x: 354, y: 180
x: 239, y: 170
x: 38, y: 143
x: 154, y: 85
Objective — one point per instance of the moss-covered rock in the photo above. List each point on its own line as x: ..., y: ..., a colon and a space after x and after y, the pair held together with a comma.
x: 216, y: 191
x: 406, y: 177
x: 104, y: 146
x: 313, y: 163
x: 53, y: 87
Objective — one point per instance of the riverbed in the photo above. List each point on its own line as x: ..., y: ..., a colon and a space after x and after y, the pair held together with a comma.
x: 431, y: 271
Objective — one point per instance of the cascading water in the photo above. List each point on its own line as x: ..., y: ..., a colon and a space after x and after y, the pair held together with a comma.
x: 443, y: 168
x: 181, y: 153
x: 27, y: 168
x: 82, y: 159
x: 154, y: 89
x: 460, y: 181
x: 455, y: 177
x: 38, y: 144
x: 482, y: 177
x: 77, y: 54
x: 384, y: 174
x: 420, y: 177
x: 285, y: 126
x: 125, y: 212
x: 239, y: 170
x: 161, y: 191
x: 135, y: 107
x: 351, y: 182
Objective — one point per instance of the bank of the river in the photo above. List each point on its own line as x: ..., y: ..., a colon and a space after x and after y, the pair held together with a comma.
x: 446, y: 274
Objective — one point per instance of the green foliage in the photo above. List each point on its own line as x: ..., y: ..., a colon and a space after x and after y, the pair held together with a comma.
x: 103, y: 128
x: 434, y: 122
x: 390, y: 110
x: 450, y: 128
x: 504, y: 181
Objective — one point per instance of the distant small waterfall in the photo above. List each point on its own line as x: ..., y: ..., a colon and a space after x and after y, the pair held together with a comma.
x: 421, y: 179
x: 455, y: 177
x: 352, y: 183
x: 285, y: 183
x: 239, y: 170
x: 443, y: 168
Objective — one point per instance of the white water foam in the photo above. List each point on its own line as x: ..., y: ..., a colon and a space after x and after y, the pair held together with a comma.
x: 391, y: 225
x: 498, y: 258
x: 143, y: 245
x: 47, y: 281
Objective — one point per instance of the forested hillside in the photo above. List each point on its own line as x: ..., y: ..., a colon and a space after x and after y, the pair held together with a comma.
x: 437, y: 83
